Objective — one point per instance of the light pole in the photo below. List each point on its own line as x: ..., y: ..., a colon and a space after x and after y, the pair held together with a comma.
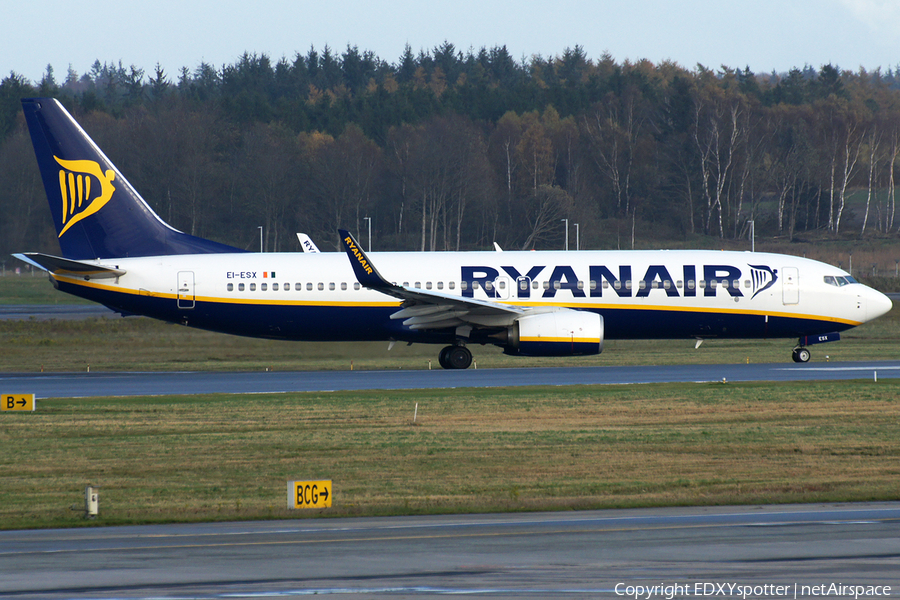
x: 566, y: 221
x: 260, y: 238
x: 577, y: 238
x: 369, y: 219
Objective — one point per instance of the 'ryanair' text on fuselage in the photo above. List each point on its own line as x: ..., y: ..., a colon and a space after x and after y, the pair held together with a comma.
x: 622, y: 283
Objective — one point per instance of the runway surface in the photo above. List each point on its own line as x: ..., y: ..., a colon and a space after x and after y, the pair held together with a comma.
x: 75, y: 385
x: 584, y: 554
x: 44, y: 312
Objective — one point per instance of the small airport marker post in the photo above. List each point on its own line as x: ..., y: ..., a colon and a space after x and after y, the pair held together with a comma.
x: 17, y: 402
x: 309, y: 494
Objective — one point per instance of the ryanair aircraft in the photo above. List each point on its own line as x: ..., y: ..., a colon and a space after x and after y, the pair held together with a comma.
x: 118, y: 252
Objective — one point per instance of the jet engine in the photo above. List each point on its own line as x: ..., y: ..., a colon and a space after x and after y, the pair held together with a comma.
x: 560, y: 333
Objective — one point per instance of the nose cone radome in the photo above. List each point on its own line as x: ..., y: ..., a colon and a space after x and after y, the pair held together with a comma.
x: 877, y: 304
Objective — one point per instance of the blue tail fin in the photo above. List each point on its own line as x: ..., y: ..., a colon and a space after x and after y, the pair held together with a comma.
x: 96, y: 211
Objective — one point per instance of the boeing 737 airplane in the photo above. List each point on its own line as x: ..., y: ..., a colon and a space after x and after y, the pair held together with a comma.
x: 118, y: 252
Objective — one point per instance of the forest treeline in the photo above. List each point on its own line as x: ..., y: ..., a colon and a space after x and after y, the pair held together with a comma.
x: 449, y: 150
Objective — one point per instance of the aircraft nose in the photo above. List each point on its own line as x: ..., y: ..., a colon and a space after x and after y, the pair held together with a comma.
x: 877, y: 304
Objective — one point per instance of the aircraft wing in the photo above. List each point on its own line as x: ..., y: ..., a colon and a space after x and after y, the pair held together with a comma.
x: 426, y: 309
x: 65, y: 266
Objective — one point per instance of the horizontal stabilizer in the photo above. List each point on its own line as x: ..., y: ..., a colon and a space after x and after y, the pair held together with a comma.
x: 65, y: 266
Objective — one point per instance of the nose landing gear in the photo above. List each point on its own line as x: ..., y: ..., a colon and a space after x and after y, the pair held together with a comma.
x: 800, y: 354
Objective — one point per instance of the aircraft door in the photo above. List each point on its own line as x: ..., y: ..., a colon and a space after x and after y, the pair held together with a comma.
x: 185, y: 289
x: 523, y: 287
x: 790, y: 285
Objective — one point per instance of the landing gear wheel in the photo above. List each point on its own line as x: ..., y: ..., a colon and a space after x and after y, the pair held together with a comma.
x: 800, y: 355
x: 458, y: 357
x: 442, y: 357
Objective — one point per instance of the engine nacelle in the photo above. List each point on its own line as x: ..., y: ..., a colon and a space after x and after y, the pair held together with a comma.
x: 560, y: 333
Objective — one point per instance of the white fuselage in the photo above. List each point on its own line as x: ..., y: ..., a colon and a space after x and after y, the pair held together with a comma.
x: 641, y: 294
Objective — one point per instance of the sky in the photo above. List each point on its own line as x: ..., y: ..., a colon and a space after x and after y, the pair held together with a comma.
x: 764, y: 35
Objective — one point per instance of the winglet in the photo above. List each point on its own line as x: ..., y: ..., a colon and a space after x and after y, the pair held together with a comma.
x: 363, y: 268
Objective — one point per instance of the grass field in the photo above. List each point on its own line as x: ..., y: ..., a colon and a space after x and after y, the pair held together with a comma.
x: 226, y: 457
x: 230, y: 456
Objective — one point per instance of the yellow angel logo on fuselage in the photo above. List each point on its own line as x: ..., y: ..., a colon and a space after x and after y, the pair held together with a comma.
x: 75, y: 186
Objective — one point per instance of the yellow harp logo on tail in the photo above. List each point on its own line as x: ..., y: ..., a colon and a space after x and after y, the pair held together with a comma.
x: 77, y: 180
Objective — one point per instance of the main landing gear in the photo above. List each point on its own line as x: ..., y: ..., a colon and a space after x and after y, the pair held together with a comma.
x: 800, y: 354
x: 455, y: 357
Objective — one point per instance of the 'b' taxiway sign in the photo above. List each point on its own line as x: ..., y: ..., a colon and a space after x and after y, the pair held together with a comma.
x: 17, y: 402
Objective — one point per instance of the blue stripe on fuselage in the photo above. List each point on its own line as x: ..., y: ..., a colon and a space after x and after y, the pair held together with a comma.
x: 323, y: 322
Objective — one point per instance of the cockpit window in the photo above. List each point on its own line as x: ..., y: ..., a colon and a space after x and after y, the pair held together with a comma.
x: 839, y: 280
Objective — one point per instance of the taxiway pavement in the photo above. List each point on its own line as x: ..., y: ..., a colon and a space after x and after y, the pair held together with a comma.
x: 75, y: 385
x: 771, y: 551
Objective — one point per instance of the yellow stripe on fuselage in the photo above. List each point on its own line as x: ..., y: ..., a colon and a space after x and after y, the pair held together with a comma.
x: 561, y: 340
x: 79, y: 281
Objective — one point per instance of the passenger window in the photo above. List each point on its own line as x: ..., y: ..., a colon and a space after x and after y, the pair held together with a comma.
x: 343, y: 285
x: 679, y: 284
x: 534, y: 285
x: 309, y: 287
x: 356, y: 286
x: 546, y: 285
x: 427, y: 285
x: 463, y: 285
x: 252, y: 287
x: 642, y: 284
x: 580, y: 285
x: 331, y: 286
x: 240, y: 287
x: 321, y: 286
x: 274, y: 287
x: 451, y: 284
x: 263, y: 287
x: 618, y: 285
x: 593, y: 285
x: 230, y: 287
x: 488, y: 286
x: 691, y: 284
x: 475, y: 285
x: 628, y: 284
x: 440, y: 285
